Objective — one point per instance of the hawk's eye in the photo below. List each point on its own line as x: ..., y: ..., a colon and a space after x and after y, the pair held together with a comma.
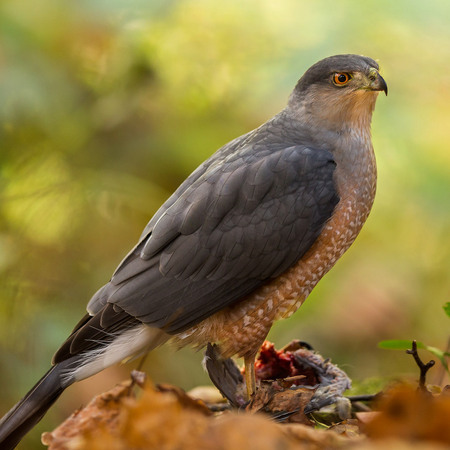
x: 341, y: 78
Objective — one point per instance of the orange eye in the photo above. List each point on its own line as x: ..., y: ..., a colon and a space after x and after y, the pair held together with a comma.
x: 340, y: 78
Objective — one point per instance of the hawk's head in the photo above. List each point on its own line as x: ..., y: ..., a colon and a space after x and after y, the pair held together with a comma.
x: 339, y: 91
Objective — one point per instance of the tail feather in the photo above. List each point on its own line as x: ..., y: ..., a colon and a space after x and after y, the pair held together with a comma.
x: 30, y: 410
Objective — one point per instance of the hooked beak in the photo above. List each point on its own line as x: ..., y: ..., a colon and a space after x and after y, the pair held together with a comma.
x: 377, y: 82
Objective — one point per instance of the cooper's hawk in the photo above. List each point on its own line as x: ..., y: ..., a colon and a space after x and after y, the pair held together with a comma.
x: 241, y: 243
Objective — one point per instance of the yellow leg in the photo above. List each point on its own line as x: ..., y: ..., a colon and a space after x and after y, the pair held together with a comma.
x: 250, y: 379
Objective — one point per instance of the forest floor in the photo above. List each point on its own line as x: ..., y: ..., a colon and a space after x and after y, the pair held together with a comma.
x: 291, y: 409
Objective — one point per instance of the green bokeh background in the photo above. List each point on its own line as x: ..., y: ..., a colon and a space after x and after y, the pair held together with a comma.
x: 106, y: 106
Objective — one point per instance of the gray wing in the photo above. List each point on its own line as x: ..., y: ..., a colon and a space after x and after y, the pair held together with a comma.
x: 240, y: 221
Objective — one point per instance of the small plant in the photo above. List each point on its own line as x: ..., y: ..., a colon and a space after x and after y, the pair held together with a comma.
x: 403, y: 344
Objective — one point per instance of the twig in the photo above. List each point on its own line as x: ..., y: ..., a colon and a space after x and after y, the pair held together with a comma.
x: 361, y: 407
x: 424, y: 368
x: 284, y: 415
x: 364, y: 398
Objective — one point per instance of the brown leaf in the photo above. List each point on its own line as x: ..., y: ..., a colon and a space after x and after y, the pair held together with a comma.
x: 311, y: 438
x: 103, y: 411
x: 269, y: 398
x: 410, y: 414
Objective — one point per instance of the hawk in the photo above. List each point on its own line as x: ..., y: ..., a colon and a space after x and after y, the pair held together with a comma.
x: 240, y: 244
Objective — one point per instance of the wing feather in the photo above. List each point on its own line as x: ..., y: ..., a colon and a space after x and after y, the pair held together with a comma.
x: 238, y: 223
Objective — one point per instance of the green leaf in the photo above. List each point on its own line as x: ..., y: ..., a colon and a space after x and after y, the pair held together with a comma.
x: 403, y: 344
x: 399, y: 344
x: 439, y: 354
x: 447, y: 308
x: 436, y: 351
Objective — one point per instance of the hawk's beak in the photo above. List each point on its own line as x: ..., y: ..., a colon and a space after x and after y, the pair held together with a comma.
x: 377, y: 82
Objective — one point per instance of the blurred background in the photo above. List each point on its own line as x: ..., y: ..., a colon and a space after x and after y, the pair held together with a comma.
x: 106, y: 106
